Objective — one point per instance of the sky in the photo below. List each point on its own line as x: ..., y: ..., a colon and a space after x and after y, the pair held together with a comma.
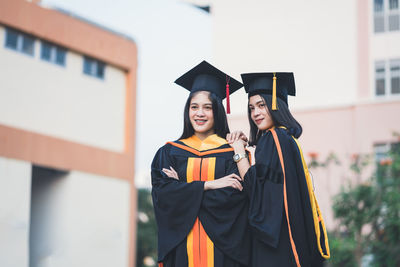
x: 172, y: 37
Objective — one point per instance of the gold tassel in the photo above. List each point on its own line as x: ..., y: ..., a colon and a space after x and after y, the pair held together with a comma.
x: 274, y: 106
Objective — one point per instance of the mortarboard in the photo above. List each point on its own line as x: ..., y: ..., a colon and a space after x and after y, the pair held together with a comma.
x: 206, y: 77
x: 277, y: 84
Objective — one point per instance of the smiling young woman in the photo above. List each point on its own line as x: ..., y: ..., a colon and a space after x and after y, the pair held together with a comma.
x: 201, y: 115
x: 285, y: 221
x: 200, y: 209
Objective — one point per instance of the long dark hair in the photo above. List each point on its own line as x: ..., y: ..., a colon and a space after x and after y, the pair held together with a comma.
x: 280, y: 117
x: 221, y: 127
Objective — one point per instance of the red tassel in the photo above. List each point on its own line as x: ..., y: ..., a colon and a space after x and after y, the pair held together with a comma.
x: 228, y: 106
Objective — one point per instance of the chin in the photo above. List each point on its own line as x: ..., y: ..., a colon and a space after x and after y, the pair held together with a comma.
x: 263, y: 128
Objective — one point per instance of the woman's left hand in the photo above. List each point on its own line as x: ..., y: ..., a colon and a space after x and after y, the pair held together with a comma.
x: 171, y: 173
x: 237, y: 140
x: 234, y: 136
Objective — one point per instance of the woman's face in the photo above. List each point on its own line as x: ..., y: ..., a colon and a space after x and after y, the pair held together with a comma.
x: 259, y: 113
x: 201, y: 114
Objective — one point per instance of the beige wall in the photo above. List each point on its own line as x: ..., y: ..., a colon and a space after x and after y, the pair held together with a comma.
x: 79, y: 219
x: 345, y: 131
x: 62, y: 101
x: 316, y: 40
x: 62, y: 119
x: 15, y: 196
x: 384, y: 47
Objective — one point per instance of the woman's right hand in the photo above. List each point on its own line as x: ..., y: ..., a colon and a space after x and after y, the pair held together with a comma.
x: 231, y: 180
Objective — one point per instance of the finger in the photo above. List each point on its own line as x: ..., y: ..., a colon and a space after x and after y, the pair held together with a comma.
x: 235, y: 137
x: 228, y: 137
x: 231, y: 138
x: 238, y: 185
x: 173, y: 171
x: 237, y: 177
x: 167, y: 173
x: 166, y: 170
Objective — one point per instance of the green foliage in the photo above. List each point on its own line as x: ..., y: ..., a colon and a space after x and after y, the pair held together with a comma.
x: 329, y: 160
x: 146, y: 231
x: 386, y: 227
x: 355, y: 206
x: 369, y: 215
x: 342, y: 250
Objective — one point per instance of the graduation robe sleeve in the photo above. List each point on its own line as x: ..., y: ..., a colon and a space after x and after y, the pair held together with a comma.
x: 263, y: 183
x: 223, y: 213
x: 176, y: 203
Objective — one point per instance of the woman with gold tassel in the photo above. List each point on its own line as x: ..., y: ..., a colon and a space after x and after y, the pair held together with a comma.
x: 284, y: 217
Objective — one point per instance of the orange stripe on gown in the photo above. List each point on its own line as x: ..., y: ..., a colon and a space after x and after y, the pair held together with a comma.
x: 200, y: 248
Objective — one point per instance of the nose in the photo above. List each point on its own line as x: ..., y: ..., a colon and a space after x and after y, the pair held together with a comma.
x: 256, y: 111
x: 200, y: 112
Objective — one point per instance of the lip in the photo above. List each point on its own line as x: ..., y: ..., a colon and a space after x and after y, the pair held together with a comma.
x: 258, y: 121
x: 200, y: 122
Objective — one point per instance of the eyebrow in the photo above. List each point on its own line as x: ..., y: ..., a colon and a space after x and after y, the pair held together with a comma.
x: 194, y: 103
x: 258, y: 102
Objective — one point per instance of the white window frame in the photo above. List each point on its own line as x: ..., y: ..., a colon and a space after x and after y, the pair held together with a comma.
x: 392, y: 74
x: 386, y: 13
x: 20, y: 39
x: 381, y: 151
x: 94, y: 65
x: 380, y: 64
x: 387, y: 76
x: 53, y: 53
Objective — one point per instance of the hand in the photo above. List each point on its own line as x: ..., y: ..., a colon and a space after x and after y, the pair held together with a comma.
x: 231, y: 180
x: 171, y: 173
x: 231, y: 137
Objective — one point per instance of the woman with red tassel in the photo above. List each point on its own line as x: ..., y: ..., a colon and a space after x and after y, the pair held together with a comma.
x: 202, y: 220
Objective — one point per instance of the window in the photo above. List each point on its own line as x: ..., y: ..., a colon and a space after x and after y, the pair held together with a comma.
x: 19, y: 41
x: 395, y: 76
x: 386, y: 15
x: 379, y: 16
x: 384, y: 156
x: 93, y: 67
x: 53, y: 53
x: 380, y: 78
x: 387, y: 78
x: 394, y: 16
x: 381, y: 152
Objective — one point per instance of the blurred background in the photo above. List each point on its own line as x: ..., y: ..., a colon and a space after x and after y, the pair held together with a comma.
x: 87, y: 97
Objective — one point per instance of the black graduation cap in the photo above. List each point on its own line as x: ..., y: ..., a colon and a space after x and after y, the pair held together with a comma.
x: 277, y: 84
x: 206, y: 77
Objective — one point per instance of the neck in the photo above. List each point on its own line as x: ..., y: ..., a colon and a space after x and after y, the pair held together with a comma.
x: 203, y: 136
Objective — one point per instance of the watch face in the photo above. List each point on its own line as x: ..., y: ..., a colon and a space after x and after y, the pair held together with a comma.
x: 236, y: 157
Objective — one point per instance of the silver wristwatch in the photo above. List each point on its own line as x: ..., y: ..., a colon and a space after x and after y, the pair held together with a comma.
x: 238, y: 157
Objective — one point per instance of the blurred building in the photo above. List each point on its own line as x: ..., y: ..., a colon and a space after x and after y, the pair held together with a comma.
x: 346, y: 59
x: 67, y: 131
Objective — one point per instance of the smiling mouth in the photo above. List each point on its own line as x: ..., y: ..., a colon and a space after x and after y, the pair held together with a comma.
x: 200, y: 122
x: 258, y: 121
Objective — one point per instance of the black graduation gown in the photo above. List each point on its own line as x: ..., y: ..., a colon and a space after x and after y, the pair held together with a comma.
x: 190, y: 219
x: 264, y: 184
